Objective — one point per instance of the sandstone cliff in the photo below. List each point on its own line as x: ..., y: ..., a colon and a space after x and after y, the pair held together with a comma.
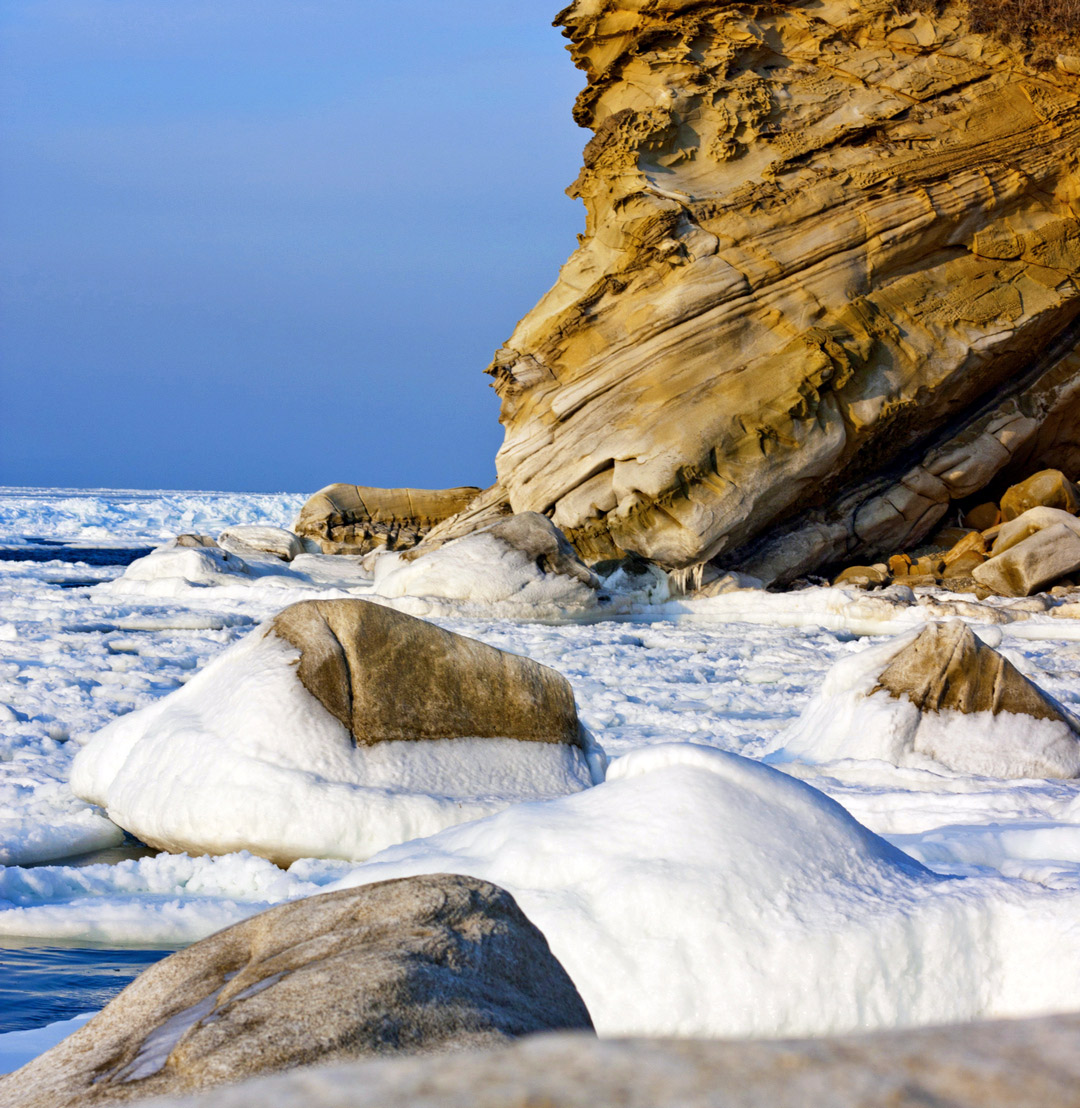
x: 829, y: 284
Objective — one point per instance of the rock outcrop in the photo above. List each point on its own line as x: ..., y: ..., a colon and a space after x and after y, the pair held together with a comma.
x: 356, y: 519
x: 429, y: 964
x: 337, y: 729
x: 1000, y: 1064
x: 827, y: 286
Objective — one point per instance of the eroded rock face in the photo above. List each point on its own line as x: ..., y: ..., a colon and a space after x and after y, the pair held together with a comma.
x: 388, y: 676
x: 827, y: 285
x: 355, y: 519
x: 426, y: 964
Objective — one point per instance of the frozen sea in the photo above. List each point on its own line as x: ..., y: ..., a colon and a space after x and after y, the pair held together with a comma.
x: 83, y: 907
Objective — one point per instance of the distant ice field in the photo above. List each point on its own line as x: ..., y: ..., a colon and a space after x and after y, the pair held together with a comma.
x: 729, y: 674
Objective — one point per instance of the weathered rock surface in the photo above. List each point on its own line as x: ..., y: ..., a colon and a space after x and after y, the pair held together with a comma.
x: 388, y: 676
x: 257, y: 540
x: 1034, y: 563
x: 947, y: 668
x: 429, y: 964
x: 1028, y: 524
x: 354, y: 519
x: 1002, y: 1064
x: 827, y: 286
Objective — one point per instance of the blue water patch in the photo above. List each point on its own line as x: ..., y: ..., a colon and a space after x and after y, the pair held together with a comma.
x: 48, y: 550
x: 45, y: 984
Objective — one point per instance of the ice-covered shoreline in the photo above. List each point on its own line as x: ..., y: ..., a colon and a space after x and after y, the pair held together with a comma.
x: 730, y: 672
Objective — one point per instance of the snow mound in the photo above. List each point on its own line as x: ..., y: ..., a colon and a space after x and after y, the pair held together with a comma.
x: 699, y: 893
x: 853, y: 718
x: 243, y: 757
x: 170, y: 569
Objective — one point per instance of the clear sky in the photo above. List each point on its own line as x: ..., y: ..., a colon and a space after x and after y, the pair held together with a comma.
x: 266, y: 245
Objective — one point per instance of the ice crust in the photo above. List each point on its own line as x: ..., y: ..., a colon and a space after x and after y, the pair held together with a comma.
x: 847, y: 719
x: 730, y: 673
x: 243, y: 756
x: 479, y: 569
x: 703, y: 894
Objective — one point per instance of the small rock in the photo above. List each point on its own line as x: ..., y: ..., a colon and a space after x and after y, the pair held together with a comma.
x: 249, y: 541
x: 862, y: 576
x: 963, y: 565
x: 430, y: 964
x: 1032, y: 564
x: 194, y: 541
x: 1026, y: 525
x: 971, y: 542
x: 1049, y: 488
x: 983, y: 516
x: 899, y: 565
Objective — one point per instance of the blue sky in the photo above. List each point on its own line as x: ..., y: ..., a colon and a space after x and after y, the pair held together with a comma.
x: 269, y: 244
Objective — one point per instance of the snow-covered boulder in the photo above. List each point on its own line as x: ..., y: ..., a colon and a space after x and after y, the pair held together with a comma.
x: 334, y: 730
x: 523, y: 560
x: 697, y: 893
x: 180, y: 563
x: 932, y: 698
x: 252, y: 540
x: 423, y: 965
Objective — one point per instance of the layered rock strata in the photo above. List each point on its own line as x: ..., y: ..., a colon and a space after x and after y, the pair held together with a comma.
x: 828, y: 285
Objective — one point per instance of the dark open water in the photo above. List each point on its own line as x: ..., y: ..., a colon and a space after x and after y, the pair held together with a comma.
x: 44, y: 984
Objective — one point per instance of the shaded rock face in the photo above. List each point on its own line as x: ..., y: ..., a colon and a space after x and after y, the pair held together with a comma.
x: 827, y: 286
x: 388, y: 676
x: 355, y: 519
x: 423, y: 964
x: 1000, y: 1064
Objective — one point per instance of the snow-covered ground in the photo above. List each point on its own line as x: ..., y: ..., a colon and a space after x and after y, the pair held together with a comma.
x: 664, y: 883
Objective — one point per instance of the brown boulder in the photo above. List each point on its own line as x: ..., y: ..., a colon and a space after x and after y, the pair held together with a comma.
x: 1048, y: 489
x: 1032, y: 564
x: 862, y: 576
x: 388, y: 676
x: 430, y: 964
x: 355, y: 519
x: 983, y: 516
